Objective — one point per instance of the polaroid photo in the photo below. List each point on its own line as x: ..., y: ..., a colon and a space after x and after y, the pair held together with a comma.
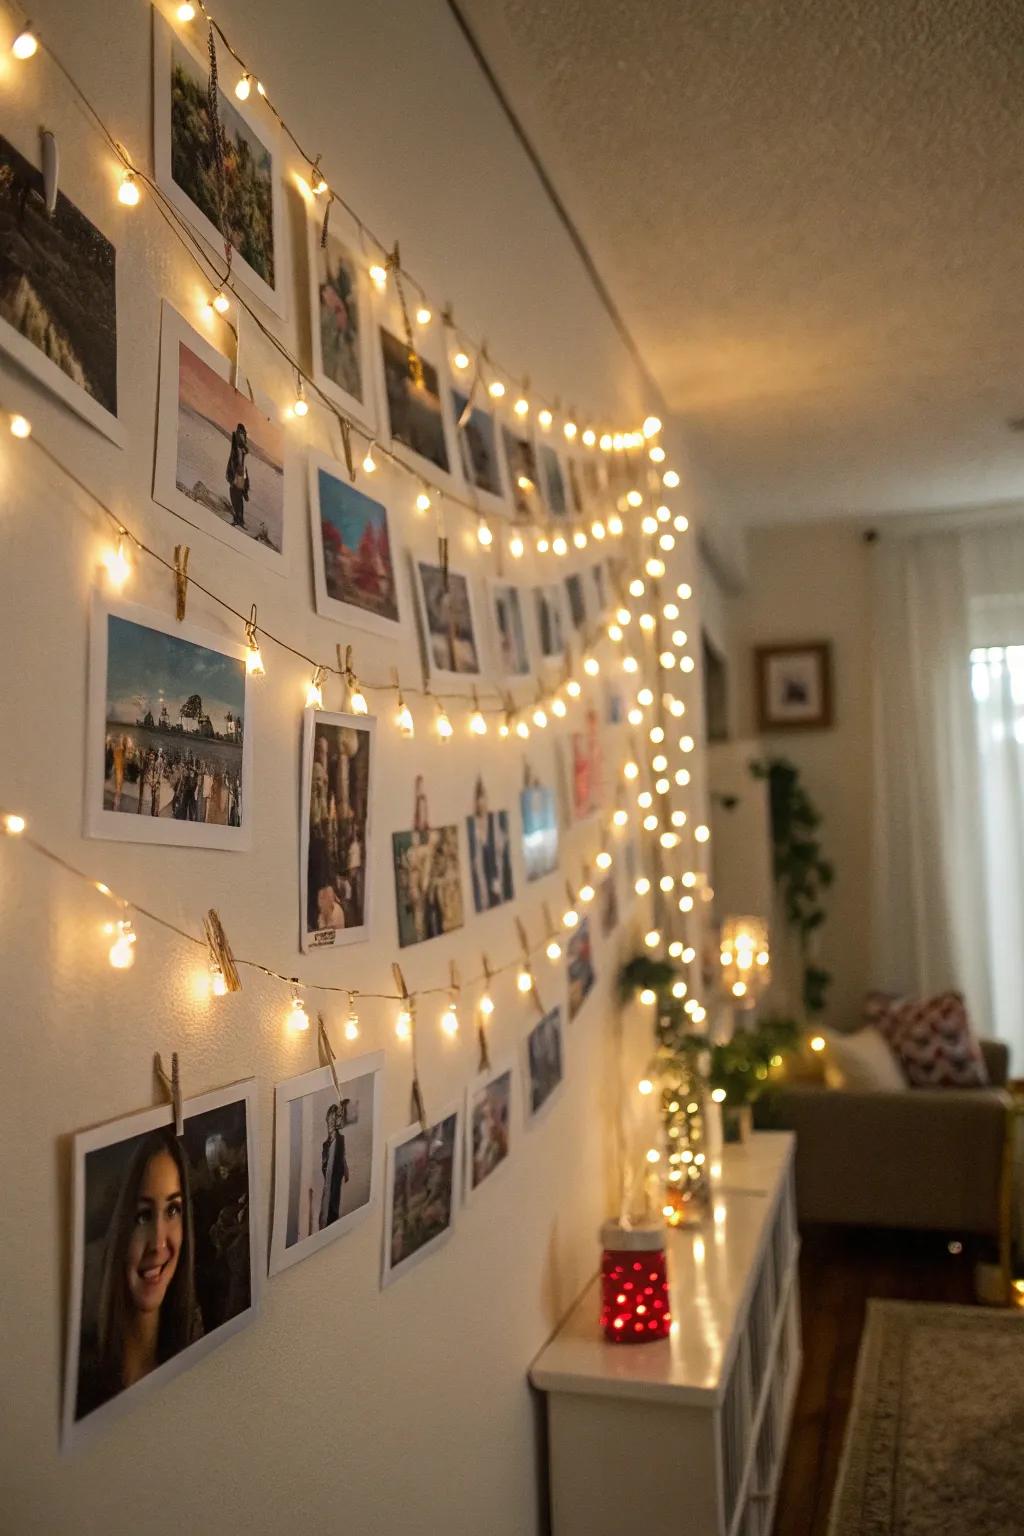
x: 165, y: 1256
x: 222, y: 462
x: 355, y: 570
x: 326, y: 1156
x: 552, y: 480
x: 521, y: 472
x: 577, y: 600
x: 544, y: 1061
x: 587, y: 767
x: 58, y: 302
x: 488, y: 1124
x: 549, y: 613
x: 579, y: 964
x: 186, y: 171
x: 511, y: 650
x: 342, y: 322
x: 338, y: 771
x: 451, y: 636
x: 490, y: 853
x: 169, y: 735
x: 539, y: 815
x: 608, y: 904
x: 480, y: 458
x: 422, y: 1188
x: 416, y: 406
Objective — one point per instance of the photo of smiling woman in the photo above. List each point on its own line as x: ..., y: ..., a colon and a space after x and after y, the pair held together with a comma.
x: 164, y: 1258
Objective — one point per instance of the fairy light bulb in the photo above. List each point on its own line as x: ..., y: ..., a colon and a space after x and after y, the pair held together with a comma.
x: 20, y: 426
x: 404, y: 719
x: 559, y: 706
x: 218, y: 981
x: 686, y: 743
x: 631, y: 769
x: 669, y: 839
x: 591, y: 665
x: 605, y: 442
x: 486, y: 1005
x: 220, y: 302
x: 573, y: 688
x: 657, y: 735
x: 553, y: 950
x: 243, y: 89
x: 663, y: 513
x: 524, y: 980
x: 14, y: 825
x: 379, y: 279
x: 645, y: 800
x: 617, y: 442
x: 603, y: 859
x: 684, y: 591
x: 444, y: 725
x: 559, y: 545
x: 589, y: 437
x: 570, y: 429
x: 679, y: 818
x: 460, y: 360
x: 477, y: 723
x: 128, y: 192
x: 615, y: 525
x: 483, y: 534
x: 656, y: 455
x: 630, y: 664
x: 642, y: 885
x: 300, y: 406
x: 686, y: 903
x: 666, y: 882
x: 652, y: 938
x: 496, y: 389
x: 186, y: 12
x: 637, y: 587
x: 670, y: 479
x: 369, y: 462
x: 648, y: 997
x: 586, y: 892
x: 689, y: 879
x: 422, y: 501
x: 521, y: 407
x: 635, y: 715
x: 687, y: 664
x: 403, y: 1024
x: 315, y: 691
x: 516, y: 547
x: 681, y: 523
x: 670, y: 612
x: 645, y: 697
x: 667, y: 660
x: 615, y: 634
x: 579, y: 538
x: 654, y: 567
x: 620, y: 817
x: 544, y: 418
x: 117, y: 564
x: 650, y: 823
x: 570, y: 918
x: 651, y: 426
x: 648, y: 524
x: 450, y: 1019
x: 597, y: 529
x: 666, y: 542
x: 634, y: 499
x: 122, y: 952
x: 645, y: 1086
x: 423, y: 315
x: 522, y: 729
x: 543, y: 544
x: 505, y: 726
x: 352, y: 1023
x: 540, y: 717
x: 25, y: 45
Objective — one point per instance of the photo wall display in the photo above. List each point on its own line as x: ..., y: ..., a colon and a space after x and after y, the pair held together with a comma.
x: 223, y: 460
x: 58, y: 294
x: 169, y: 738
x: 163, y: 1225
x: 250, y: 215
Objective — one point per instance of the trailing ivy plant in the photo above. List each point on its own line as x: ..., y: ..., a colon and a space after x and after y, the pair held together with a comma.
x: 799, y: 866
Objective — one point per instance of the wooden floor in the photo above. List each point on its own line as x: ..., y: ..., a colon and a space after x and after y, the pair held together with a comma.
x: 840, y: 1268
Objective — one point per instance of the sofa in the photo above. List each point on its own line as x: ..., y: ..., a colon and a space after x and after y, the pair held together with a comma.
x: 930, y: 1158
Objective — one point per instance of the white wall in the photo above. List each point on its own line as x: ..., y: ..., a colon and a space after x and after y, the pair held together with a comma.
x: 342, y: 1406
x: 811, y: 582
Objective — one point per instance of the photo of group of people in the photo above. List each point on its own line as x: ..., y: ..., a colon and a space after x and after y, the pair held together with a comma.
x: 164, y: 1259
x: 170, y: 755
x: 337, y: 770
x: 423, y: 1187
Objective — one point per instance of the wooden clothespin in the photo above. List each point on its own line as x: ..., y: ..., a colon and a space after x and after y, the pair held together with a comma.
x: 346, y: 447
x: 442, y: 558
x: 220, y: 951
x: 417, y: 1110
x: 325, y: 1053
x: 181, y: 554
x: 171, y: 1087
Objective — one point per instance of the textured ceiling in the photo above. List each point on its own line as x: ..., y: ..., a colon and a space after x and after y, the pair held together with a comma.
x: 810, y: 214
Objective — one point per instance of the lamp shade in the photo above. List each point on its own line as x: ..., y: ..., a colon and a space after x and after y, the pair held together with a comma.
x: 634, y: 1284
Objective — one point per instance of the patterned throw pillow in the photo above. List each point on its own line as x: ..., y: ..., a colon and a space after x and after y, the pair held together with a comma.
x: 932, y: 1037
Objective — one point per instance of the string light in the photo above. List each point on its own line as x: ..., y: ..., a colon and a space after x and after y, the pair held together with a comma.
x: 597, y: 529
x: 579, y: 538
x: 603, y: 859
x: 655, y: 567
x: 645, y: 697
x: 651, y: 426
x: 652, y: 938
x: 524, y: 980
x: 496, y: 389
x: 559, y: 545
x: 573, y: 688
x: 637, y: 587
x: 684, y: 591
x: 315, y: 690
x: 186, y: 12
x: 423, y: 315
x: 122, y: 952
x: 666, y: 542
x: 663, y: 514
x: 128, y: 192
x: 670, y: 479
x: 656, y: 455
x: 635, y: 715
x: 570, y: 917
x: 297, y: 1019
x: 522, y: 406
x: 352, y: 1022
x: 319, y: 188
x: 645, y: 1086
x: 630, y: 770
x: 243, y: 89
x: 460, y: 359
x: 543, y: 544
x: 650, y: 823
x: 450, y: 1018
x: 544, y: 418
x: 558, y: 706
x: 591, y: 665
x: 300, y: 406
x: 356, y: 697
x: 516, y: 547
x: 117, y: 564
x: 14, y: 824
x: 540, y: 718
x: 218, y: 981
x: 589, y: 437
x: 615, y: 525
x: 25, y: 44
x: 403, y: 1024
x: 648, y: 997
x: 404, y: 719
x: 522, y: 729
x: 485, y: 538
x: 620, y: 817
x: 634, y: 498
x: 379, y: 279
x: 486, y: 1005
x: 586, y: 892
x: 642, y: 885
x: 554, y: 949
x: 20, y: 426
x: 444, y: 725
x: 477, y: 723
x: 630, y: 664
x: 657, y: 735
x: 702, y: 833
x: 422, y: 500
x: 253, y: 659
x: 605, y: 442
x: 648, y: 524
x: 681, y: 523
x: 570, y: 430
x: 679, y: 818
x: 370, y: 465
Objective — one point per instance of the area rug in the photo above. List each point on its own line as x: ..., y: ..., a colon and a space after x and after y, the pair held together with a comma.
x: 935, y: 1441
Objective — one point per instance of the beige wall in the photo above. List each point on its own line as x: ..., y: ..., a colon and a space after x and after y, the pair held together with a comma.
x: 343, y: 1407
x: 810, y: 582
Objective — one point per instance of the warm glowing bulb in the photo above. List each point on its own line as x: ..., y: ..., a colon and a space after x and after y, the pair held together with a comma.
x: 516, y: 547
x: 670, y: 479
x: 379, y: 278
x: 603, y: 859
x: 460, y: 360
x: 522, y: 729
x: 404, y: 720
x: 570, y: 917
x: 314, y: 694
x: 650, y: 823
x: 667, y: 660
x: 591, y: 665
x: 579, y: 538
x: 477, y: 723
x: 218, y: 981
x: 444, y: 725
x: 220, y: 302
x: 128, y: 191
x: 667, y: 542
x: 586, y: 892
x: 718, y: 1095
x: 186, y: 12
x: 620, y: 817
x: 573, y: 688
x: 540, y: 717
x: 118, y: 565
x: 20, y: 426
x: 423, y: 315
x: 681, y: 523
x: 739, y: 989
x: 645, y: 800
x: 679, y: 818
x: 631, y: 769
x: 559, y: 545
x: 254, y: 661
x: 702, y: 833
x: 651, y: 426
x: 686, y: 743
x: 634, y: 499
x: 667, y: 882
x: 403, y: 1024
x: 543, y: 544
x: 655, y: 567
x: 615, y: 633
x: 817, y: 1042
x: 422, y: 501
x: 597, y: 529
x: 244, y: 88
x: 653, y: 1156
x: 652, y: 938
x: 615, y: 525
x: 648, y: 524
x: 357, y: 701
x: 450, y: 1021
x: 545, y: 418
x: 656, y: 455
x: 623, y: 615
x: 589, y: 437
x: 495, y: 389
x: 645, y: 1086
x: 630, y: 664
x: 635, y: 715
x: 606, y: 442
x: 486, y: 1005
x: 663, y: 514
x: 352, y: 1025
x: 570, y: 430
x: 642, y: 886
x: 122, y: 952
x: 522, y: 406
x: 636, y: 587
x: 554, y: 950
x: 559, y: 707
x: 684, y: 591
x: 524, y: 980
x: 25, y: 44
x: 648, y: 997
x: 14, y: 824
x: 645, y: 697
x: 484, y: 535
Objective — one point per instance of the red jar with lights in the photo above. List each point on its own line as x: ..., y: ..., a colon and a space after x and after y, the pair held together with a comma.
x: 634, y: 1284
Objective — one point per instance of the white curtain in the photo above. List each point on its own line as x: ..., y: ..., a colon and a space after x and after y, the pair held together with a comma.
x: 949, y: 770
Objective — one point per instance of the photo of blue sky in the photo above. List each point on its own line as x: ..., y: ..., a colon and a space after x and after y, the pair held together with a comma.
x: 147, y: 668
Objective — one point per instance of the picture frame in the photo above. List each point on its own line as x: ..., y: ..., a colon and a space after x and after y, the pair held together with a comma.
x: 579, y: 967
x: 554, y: 484
x: 450, y: 632
x: 543, y: 1063
x: 196, y: 449
x: 181, y: 785
x: 337, y: 882
x: 49, y: 247
x: 300, y: 1105
x: 342, y: 317
x: 355, y: 564
x: 793, y: 686
x: 488, y: 853
x: 111, y: 1166
x: 423, y: 1170
x: 480, y: 460
x: 415, y: 421
x: 539, y: 822
x: 181, y: 76
x: 522, y: 474
x: 550, y: 620
x: 488, y: 1123
x: 508, y: 624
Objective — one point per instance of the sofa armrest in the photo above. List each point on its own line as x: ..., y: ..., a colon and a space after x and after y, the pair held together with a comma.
x: 997, y: 1061
x: 928, y: 1157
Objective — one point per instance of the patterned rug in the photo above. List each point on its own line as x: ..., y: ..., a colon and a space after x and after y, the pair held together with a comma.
x: 935, y: 1441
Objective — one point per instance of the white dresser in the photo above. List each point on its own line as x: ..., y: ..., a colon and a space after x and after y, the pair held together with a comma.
x: 686, y: 1436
